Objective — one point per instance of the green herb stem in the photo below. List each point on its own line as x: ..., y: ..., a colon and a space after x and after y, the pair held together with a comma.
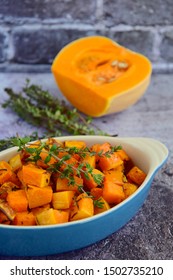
x: 38, y: 107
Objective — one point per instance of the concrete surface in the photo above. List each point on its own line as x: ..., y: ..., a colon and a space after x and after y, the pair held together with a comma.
x: 149, y: 235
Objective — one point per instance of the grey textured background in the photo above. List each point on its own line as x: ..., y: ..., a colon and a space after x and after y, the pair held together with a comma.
x: 33, y: 32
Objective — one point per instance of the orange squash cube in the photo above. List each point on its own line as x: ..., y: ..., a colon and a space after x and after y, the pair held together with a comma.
x: 63, y: 185
x: 76, y: 144
x: 136, y: 175
x: 96, y: 193
x: 32, y: 175
x: 63, y: 199
x: 15, y: 162
x: 52, y: 216
x: 112, y: 193
x: 83, y: 208
x: 61, y: 216
x: 129, y: 189
x: 43, y: 156
x: 105, y: 206
x: 123, y: 155
x: 105, y: 147
x: 5, y: 172
x: 90, y: 159
x: 91, y: 183
x: 40, y: 209
x: 38, y: 196
x: 24, y: 219
x: 111, y: 162
x: 116, y: 176
x: 17, y: 200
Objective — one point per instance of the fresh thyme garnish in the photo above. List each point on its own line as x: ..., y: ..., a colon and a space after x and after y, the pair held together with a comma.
x: 39, y: 108
x: 98, y: 203
x: 53, y: 151
x: 69, y: 169
x: 13, y: 141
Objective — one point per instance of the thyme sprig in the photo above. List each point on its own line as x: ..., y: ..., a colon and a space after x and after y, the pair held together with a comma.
x: 12, y: 141
x: 39, y: 108
x: 53, y: 151
x: 68, y: 171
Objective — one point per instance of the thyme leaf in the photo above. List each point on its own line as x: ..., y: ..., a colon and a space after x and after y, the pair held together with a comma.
x: 98, y: 203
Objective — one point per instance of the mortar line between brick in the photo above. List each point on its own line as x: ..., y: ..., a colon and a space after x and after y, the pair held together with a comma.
x: 99, y: 10
x: 7, y: 67
x: 80, y: 25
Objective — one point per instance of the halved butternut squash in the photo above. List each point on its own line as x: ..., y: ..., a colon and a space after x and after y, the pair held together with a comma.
x: 99, y: 76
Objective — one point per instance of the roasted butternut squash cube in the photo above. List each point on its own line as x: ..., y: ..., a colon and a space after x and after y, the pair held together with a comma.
x: 32, y: 175
x: 104, y: 206
x: 63, y: 184
x: 105, y: 147
x: 111, y: 162
x: 15, y: 162
x: 72, y: 160
x: 38, y: 196
x: 43, y: 155
x: 100, y: 148
x: 63, y: 199
x: 129, y: 189
x: 120, y: 168
x: 123, y: 155
x: 83, y: 208
x: 5, y: 172
x: 61, y: 216
x: 52, y: 216
x: 14, y: 179
x: 76, y: 144
x: 24, y: 219
x: 40, y: 209
x: 136, y: 175
x: 90, y: 182
x: 112, y: 192
x: 96, y: 192
x: 17, y: 200
x: 90, y: 159
x: 20, y: 176
x: 116, y: 176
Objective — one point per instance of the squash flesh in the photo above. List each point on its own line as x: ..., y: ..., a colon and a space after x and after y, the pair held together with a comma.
x: 85, y: 73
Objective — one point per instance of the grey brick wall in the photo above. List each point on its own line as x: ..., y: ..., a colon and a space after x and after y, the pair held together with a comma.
x: 33, y: 32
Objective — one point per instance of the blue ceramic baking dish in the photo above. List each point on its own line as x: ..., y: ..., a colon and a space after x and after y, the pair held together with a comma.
x: 148, y: 154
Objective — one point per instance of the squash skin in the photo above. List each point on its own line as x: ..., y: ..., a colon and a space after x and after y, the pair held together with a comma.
x: 84, y: 92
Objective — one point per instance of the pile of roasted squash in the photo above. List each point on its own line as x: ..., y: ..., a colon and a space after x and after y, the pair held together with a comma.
x: 45, y: 192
